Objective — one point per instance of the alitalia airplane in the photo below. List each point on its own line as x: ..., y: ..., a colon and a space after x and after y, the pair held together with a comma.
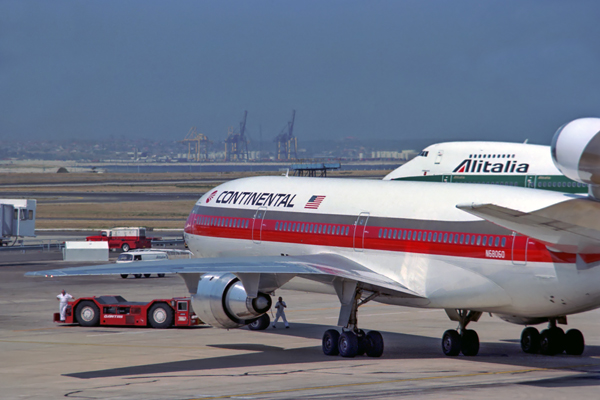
x: 527, y: 256
x: 501, y: 163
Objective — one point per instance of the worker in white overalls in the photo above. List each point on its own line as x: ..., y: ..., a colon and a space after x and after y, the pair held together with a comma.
x: 279, y: 306
x: 63, y: 299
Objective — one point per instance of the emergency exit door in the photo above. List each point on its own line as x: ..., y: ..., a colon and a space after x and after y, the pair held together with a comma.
x: 360, y: 229
x: 519, y: 249
x: 257, y: 224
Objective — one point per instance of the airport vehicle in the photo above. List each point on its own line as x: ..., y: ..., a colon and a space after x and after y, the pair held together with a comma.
x: 500, y: 163
x: 17, y: 219
x: 151, y: 255
x: 526, y: 256
x: 115, y: 310
x: 123, y: 238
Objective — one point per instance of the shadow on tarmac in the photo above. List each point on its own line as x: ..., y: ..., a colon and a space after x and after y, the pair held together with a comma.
x: 398, y: 347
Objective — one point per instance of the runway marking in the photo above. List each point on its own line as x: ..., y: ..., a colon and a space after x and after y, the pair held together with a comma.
x: 424, y: 378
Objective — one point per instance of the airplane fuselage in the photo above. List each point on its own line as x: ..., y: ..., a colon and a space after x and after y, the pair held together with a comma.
x: 411, y: 232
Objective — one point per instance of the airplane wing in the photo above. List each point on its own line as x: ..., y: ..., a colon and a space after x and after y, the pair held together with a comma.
x: 321, y: 267
x: 572, y: 226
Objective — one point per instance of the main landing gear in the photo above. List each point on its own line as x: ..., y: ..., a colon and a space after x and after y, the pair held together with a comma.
x: 461, y: 340
x: 552, y: 341
x: 352, y: 342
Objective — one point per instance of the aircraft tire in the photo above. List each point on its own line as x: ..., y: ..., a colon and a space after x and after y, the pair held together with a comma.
x: 469, y: 343
x: 552, y: 341
x: 147, y: 275
x: 375, y: 344
x: 331, y: 338
x: 160, y: 316
x: 160, y: 275
x: 574, y: 342
x: 260, y: 324
x: 137, y: 275
x: 451, y: 343
x: 348, y: 344
x: 87, y: 313
x: 124, y: 276
x: 530, y: 340
x: 363, y: 342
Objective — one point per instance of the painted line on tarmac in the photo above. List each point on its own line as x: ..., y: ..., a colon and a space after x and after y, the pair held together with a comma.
x: 424, y: 378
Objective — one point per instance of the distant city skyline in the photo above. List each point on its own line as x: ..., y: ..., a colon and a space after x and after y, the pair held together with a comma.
x: 385, y: 70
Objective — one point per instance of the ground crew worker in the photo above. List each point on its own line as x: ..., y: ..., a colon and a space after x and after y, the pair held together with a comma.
x: 63, y: 299
x: 279, y: 306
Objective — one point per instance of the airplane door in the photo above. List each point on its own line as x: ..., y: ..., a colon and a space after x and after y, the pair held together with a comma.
x: 360, y: 228
x: 257, y: 224
x: 519, y: 249
x: 438, y: 158
x: 530, y: 181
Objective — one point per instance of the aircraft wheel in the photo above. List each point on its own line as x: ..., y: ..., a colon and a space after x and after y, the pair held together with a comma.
x: 331, y: 338
x: 137, y: 275
x: 160, y: 316
x: 124, y: 276
x: 552, y: 341
x: 87, y: 313
x: 147, y: 275
x: 260, y: 324
x: 469, y: 343
x: 375, y: 344
x: 530, y: 340
x: 574, y: 342
x: 348, y: 344
x: 125, y: 247
x: 160, y: 275
x: 451, y: 343
x: 363, y: 342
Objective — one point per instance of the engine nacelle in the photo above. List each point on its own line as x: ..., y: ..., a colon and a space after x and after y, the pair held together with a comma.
x: 576, y: 152
x: 222, y: 302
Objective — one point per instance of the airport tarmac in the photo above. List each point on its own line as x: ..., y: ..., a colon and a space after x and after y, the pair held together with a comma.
x: 43, y: 360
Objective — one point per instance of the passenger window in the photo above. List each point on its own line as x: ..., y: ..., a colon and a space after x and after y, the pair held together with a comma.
x: 337, y: 231
x: 414, y: 237
x: 445, y: 238
x: 380, y: 232
x: 277, y: 225
x: 347, y: 230
x: 385, y: 233
x: 497, y: 242
x: 329, y: 230
x: 310, y: 229
x: 294, y: 227
x: 462, y: 239
x: 404, y: 235
x: 484, y: 242
x: 478, y: 240
x: 435, y: 237
x: 247, y: 223
x: 473, y: 240
x: 395, y: 233
x: 419, y: 238
x: 503, y: 242
x: 320, y: 228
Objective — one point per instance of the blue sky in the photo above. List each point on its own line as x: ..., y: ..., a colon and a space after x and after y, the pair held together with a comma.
x: 448, y: 70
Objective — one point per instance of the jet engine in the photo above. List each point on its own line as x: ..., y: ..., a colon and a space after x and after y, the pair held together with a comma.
x: 222, y: 302
x: 576, y: 152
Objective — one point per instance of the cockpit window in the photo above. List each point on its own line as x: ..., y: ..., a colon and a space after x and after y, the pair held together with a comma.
x: 424, y: 153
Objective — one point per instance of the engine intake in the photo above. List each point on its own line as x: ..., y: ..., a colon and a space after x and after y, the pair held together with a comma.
x: 222, y: 302
x: 576, y: 152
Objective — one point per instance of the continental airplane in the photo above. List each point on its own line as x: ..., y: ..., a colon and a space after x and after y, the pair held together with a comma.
x: 527, y: 256
x: 500, y: 163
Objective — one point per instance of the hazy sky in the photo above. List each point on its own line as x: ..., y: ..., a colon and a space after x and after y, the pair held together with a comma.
x: 494, y: 70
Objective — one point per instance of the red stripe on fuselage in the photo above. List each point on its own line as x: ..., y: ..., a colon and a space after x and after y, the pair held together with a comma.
x: 242, y: 228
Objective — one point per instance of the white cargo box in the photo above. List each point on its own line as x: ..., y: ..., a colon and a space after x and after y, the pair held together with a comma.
x: 85, y: 251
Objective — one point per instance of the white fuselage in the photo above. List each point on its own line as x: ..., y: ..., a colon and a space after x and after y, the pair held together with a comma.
x: 479, y: 158
x: 411, y: 232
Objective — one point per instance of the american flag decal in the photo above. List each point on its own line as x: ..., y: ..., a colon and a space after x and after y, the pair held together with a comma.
x: 314, y: 202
